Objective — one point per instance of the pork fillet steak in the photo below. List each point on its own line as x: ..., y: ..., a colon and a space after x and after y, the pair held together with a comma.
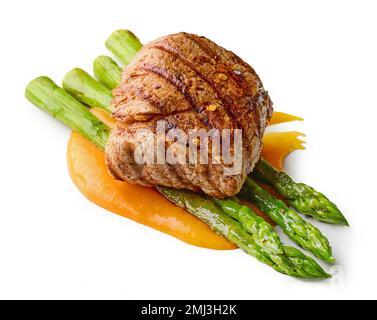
x: 191, y: 83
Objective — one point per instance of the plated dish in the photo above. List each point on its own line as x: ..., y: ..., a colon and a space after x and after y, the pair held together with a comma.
x: 175, y: 139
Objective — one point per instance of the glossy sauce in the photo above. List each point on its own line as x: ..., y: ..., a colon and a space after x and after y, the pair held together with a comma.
x: 88, y: 172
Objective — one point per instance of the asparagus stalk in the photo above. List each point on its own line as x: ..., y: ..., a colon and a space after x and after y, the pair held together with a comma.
x: 263, y: 233
x: 107, y: 71
x: 299, y: 195
x: 252, y: 223
x: 45, y: 94
x: 299, y: 230
x: 79, y: 83
x: 315, y: 241
x: 289, y: 261
x: 124, y: 45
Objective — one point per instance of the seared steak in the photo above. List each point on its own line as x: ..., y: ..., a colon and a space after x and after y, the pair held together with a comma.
x: 190, y: 82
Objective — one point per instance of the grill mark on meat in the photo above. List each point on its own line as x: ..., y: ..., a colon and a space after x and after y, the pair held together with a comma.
x: 139, y: 93
x: 187, y: 73
x: 146, y: 96
x: 166, y: 104
x: 211, y: 115
x: 205, y: 48
x: 240, y: 81
x: 165, y: 47
x: 179, y: 85
x: 231, y: 59
x: 203, y: 44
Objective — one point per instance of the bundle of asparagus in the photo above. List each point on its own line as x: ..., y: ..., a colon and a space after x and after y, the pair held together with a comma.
x: 238, y: 223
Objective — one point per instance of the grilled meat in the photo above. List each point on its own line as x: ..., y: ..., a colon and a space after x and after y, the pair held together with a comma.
x: 191, y: 83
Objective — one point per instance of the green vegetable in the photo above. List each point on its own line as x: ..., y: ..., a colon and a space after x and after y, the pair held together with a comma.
x: 124, y: 45
x: 265, y: 236
x: 315, y: 241
x: 45, y: 94
x: 291, y: 261
x: 299, y: 195
x: 299, y: 230
x: 107, y: 71
x: 88, y: 90
x: 263, y: 233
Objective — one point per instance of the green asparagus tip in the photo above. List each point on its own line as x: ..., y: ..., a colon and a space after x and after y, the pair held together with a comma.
x: 312, y: 269
x: 302, y: 232
x: 300, y: 196
x: 338, y: 215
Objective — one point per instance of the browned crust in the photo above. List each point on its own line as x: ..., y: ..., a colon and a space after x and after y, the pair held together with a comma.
x: 189, y: 81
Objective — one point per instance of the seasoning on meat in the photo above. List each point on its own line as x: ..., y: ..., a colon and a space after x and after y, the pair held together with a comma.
x: 191, y: 83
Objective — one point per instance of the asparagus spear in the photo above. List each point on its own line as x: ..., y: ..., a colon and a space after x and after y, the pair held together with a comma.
x: 299, y: 195
x: 302, y: 197
x: 315, y: 241
x: 252, y: 223
x: 299, y: 230
x: 263, y: 233
x: 45, y: 94
x: 124, y: 45
x: 291, y: 261
x: 79, y: 83
x: 107, y: 71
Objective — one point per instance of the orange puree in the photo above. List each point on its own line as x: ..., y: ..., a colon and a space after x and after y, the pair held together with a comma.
x: 278, y: 145
x: 145, y: 205
x: 141, y: 204
x: 281, y: 117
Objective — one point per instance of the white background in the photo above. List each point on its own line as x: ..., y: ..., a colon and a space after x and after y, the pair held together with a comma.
x: 316, y: 58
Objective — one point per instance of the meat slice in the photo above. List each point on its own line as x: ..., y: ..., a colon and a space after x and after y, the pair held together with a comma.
x: 191, y: 83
